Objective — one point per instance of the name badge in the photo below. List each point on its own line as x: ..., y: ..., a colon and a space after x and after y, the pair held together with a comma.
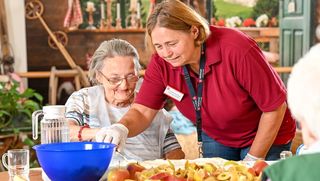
x: 173, y: 93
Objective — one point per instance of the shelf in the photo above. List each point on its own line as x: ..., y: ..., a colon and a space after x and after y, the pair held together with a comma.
x: 62, y: 73
x: 127, y: 30
x: 263, y: 31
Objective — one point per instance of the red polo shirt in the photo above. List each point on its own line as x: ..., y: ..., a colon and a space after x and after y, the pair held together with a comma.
x: 239, y: 85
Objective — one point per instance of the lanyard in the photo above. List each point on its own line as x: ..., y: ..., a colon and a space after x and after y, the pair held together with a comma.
x: 197, y: 99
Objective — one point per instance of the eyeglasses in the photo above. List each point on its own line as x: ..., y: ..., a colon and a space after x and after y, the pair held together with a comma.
x: 116, y: 81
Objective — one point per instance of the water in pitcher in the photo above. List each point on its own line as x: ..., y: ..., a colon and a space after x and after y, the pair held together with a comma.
x: 54, y: 125
x: 54, y: 131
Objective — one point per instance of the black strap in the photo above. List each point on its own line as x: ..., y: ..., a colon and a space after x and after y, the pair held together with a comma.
x: 197, y: 99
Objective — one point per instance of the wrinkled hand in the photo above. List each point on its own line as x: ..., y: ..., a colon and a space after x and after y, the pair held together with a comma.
x: 116, y: 134
x: 250, y: 157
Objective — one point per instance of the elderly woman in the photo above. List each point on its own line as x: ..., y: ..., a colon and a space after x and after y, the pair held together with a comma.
x: 114, y: 71
x: 304, y: 102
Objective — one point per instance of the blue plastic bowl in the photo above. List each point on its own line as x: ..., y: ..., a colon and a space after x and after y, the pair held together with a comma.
x: 74, y: 160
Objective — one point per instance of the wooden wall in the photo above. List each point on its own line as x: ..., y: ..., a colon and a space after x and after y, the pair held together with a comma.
x: 41, y: 57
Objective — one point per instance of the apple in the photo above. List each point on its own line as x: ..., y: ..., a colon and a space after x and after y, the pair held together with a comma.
x: 200, y: 174
x: 252, y: 171
x: 224, y: 176
x: 259, y: 165
x: 211, y: 178
x: 133, y: 168
x: 166, y: 177
x: 193, y: 166
x: 209, y: 167
x: 159, y: 176
x: 118, y: 174
x: 174, y: 178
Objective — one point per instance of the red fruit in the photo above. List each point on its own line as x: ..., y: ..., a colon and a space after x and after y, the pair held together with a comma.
x: 134, y: 168
x: 118, y: 174
x: 174, y: 178
x: 166, y: 177
x: 251, y: 170
x: 259, y: 165
x: 159, y: 176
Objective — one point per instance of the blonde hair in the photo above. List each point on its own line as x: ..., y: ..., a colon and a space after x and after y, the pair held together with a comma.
x: 176, y: 15
x: 110, y: 49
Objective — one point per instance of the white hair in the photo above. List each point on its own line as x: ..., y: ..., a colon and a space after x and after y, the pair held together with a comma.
x: 110, y: 49
x: 304, y: 90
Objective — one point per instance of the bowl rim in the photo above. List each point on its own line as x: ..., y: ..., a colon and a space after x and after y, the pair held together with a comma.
x: 41, y: 147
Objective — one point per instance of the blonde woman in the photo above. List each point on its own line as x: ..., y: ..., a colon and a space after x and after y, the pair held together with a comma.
x: 219, y: 79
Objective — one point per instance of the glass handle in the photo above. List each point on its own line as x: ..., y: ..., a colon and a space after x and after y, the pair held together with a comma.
x: 4, y: 162
x: 35, y: 120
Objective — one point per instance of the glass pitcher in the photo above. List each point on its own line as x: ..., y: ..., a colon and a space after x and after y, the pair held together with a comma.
x: 54, y: 126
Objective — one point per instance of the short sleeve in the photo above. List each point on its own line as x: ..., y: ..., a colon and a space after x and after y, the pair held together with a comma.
x: 170, y: 142
x: 152, y: 88
x: 75, y: 107
x: 260, y: 80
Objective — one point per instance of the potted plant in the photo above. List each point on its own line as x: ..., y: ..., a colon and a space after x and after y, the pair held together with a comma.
x: 16, y: 108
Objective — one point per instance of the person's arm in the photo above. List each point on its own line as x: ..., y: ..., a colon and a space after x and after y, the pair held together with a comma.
x: 175, y: 154
x: 138, y: 118
x: 268, y: 128
x: 87, y: 134
x: 171, y: 146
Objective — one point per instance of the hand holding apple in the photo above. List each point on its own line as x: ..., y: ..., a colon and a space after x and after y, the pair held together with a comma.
x: 259, y: 165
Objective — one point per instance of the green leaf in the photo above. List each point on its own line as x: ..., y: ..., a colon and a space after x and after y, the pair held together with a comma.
x: 17, y: 106
x: 38, y: 97
x: 3, y: 113
x: 28, y: 93
x: 30, y: 104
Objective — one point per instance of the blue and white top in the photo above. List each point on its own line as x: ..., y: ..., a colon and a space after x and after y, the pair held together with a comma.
x: 88, y: 106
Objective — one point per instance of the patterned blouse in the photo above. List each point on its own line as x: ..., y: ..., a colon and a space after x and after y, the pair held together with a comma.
x: 88, y: 106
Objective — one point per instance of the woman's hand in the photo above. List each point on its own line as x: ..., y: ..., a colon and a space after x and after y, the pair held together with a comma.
x: 116, y: 134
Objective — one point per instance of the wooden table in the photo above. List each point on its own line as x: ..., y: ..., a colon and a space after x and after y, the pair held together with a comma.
x: 35, y: 175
